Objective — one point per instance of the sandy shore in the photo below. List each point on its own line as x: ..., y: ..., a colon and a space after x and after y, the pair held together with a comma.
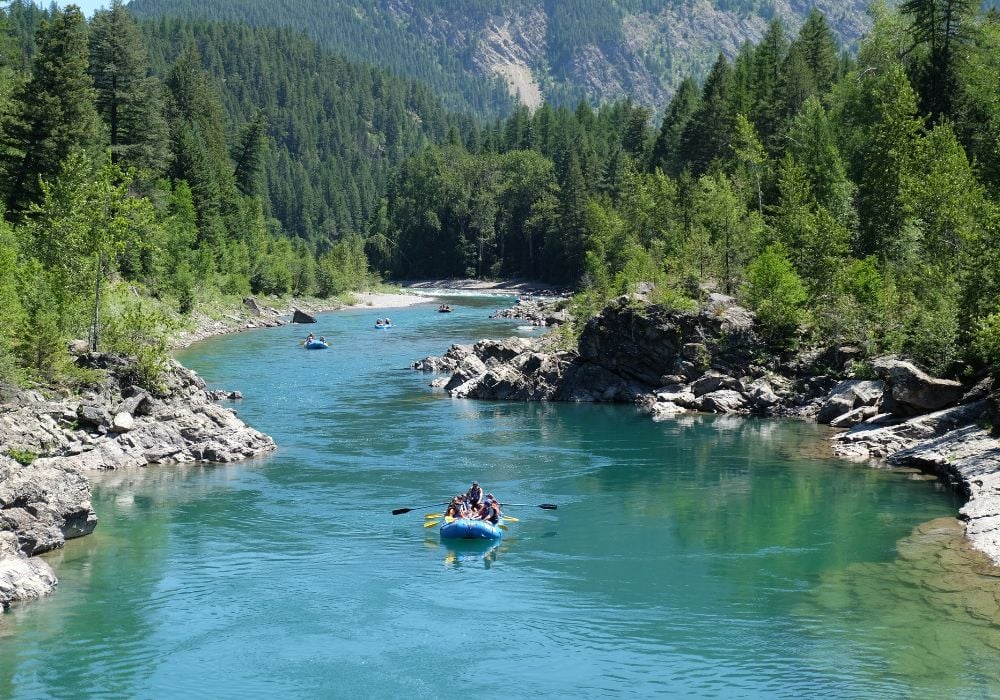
x: 381, y: 300
x: 483, y: 285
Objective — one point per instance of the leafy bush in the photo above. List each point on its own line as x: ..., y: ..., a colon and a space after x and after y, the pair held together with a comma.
x: 776, y: 293
x: 142, y: 335
x: 986, y: 342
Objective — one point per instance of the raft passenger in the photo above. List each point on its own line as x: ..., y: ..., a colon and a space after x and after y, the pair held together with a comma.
x: 475, y: 494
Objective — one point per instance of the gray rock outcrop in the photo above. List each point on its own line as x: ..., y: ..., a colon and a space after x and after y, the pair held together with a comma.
x: 913, y: 391
x: 44, y: 504
x: 118, y: 425
x: 299, y: 316
x: 21, y: 578
x: 847, y: 396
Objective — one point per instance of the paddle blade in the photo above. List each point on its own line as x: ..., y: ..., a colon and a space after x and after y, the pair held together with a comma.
x: 548, y: 506
x: 503, y: 527
x: 432, y: 523
x: 400, y: 511
x: 432, y: 516
x: 510, y: 518
x: 449, y: 519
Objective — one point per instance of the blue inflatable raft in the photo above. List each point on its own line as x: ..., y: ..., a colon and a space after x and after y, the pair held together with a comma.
x: 316, y: 345
x: 383, y: 326
x: 470, y: 529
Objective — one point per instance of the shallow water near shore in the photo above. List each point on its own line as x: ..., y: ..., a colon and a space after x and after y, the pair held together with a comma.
x: 705, y: 556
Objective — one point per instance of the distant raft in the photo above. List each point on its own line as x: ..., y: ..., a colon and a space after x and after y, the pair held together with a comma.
x: 471, y: 529
x: 316, y: 345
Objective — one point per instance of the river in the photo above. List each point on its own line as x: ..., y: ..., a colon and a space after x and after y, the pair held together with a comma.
x: 699, y: 557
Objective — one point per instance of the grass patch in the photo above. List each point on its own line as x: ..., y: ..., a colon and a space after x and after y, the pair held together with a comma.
x: 23, y: 457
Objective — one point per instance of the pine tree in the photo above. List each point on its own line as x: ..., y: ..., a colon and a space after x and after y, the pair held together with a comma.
x: 128, y: 98
x: 812, y: 142
x: 818, y: 47
x: 709, y: 132
x: 875, y: 110
x: 249, y: 155
x: 768, y: 58
x: 666, y: 150
x: 942, y: 26
x: 53, y: 112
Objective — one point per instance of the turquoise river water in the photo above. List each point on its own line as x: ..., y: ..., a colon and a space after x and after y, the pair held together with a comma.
x: 699, y: 557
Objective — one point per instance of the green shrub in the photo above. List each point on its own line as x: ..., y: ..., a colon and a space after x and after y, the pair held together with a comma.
x: 142, y: 335
x: 986, y: 341
x: 24, y: 457
x: 776, y: 293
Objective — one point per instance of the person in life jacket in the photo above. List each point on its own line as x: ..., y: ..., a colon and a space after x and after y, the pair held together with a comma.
x: 475, y: 495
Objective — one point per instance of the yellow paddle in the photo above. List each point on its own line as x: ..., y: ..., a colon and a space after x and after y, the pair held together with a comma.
x: 432, y: 516
x: 513, y: 520
x: 432, y: 523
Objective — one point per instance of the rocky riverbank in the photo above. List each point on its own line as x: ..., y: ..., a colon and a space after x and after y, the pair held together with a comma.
x: 45, y: 495
x: 714, y: 361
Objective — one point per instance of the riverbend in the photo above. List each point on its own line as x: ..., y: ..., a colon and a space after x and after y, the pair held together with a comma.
x: 702, y: 556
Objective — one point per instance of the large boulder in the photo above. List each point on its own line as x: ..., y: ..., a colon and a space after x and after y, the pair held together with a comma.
x: 446, y: 363
x: 494, y: 352
x: 469, y: 368
x: 252, y: 304
x: 723, y: 401
x: 911, y: 390
x: 503, y: 382
x: 299, y: 316
x: 761, y: 396
x: 21, y: 578
x: 44, y: 503
x: 122, y: 422
x: 847, y: 396
x: 93, y: 416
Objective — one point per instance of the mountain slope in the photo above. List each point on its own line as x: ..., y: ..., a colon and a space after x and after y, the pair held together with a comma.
x: 559, y: 50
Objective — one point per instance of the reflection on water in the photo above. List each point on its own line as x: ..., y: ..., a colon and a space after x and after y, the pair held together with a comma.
x: 459, y: 553
x: 936, y: 606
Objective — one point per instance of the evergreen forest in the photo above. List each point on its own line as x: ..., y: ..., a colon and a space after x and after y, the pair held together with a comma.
x: 575, y: 49
x: 151, y: 168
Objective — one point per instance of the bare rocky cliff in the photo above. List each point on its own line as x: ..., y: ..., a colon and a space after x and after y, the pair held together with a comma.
x: 648, y: 57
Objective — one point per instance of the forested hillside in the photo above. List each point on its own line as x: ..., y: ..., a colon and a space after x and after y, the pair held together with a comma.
x: 148, y: 170
x: 845, y: 201
x: 330, y: 130
x: 154, y: 167
x: 557, y: 50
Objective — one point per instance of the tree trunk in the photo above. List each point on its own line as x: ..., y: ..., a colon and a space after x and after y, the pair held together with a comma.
x: 95, y: 331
